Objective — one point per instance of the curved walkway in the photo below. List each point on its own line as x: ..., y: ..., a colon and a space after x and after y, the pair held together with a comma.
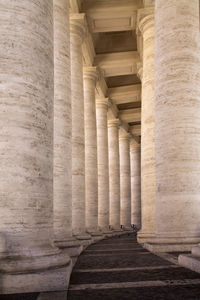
x: 119, y: 268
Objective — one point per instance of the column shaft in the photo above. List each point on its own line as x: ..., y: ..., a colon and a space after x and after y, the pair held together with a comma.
x: 91, y: 179
x: 26, y: 181
x: 148, y: 192
x: 125, y: 181
x: 114, y: 173
x: 78, y: 143
x: 103, y: 172
x: 177, y: 123
x: 135, y: 158
x: 62, y: 124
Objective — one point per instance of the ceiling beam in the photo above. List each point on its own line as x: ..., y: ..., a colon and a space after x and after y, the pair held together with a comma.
x: 125, y: 94
x: 130, y: 115
x: 114, y: 15
x: 116, y: 64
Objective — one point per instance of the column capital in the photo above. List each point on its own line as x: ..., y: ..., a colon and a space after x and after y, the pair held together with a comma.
x: 134, y: 145
x: 125, y: 136
x: 102, y: 102
x: 91, y: 73
x: 114, y: 123
x: 78, y: 25
x: 145, y: 19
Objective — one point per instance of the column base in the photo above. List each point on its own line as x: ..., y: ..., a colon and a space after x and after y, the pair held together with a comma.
x: 71, y: 246
x: 106, y: 232
x: 144, y: 237
x: 68, y: 242
x: 84, y: 239
x: 24, y: 274
x: 96, y: 235
x: 127, y: 228
x: 171, y: 244
x: 42, y: 281
x: 191, y: 261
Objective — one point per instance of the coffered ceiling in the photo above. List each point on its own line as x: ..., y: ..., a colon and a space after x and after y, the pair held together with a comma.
x: 115, y: 49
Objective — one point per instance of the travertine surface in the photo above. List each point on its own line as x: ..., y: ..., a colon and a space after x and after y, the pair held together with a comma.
x: 146, y: 26
x: 78, y: 143
x: 91, y: 177
x: 177, y: 121
x: 26, y: 122
x: 62, y: 124
x: 135, y: 158
x: 125, y: 180
x: 191, y: 261
x: 114, y: 173
x: 102, y: 155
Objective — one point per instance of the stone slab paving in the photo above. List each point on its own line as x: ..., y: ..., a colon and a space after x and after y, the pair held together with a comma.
x: 28, y: 296
x: 120, y: 269
x: 108, y: 271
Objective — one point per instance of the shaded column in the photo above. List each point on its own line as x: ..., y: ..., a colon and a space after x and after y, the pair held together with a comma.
x: 135, y: 159
x: 77, y: 31
x: 91, y: 177
x: 62, y: 127
x: 177, y: 125
x: 114, y: 173
x: 148, y: 190
x: 103, y: 172
x: 26, y: 182
x: 125, y: 181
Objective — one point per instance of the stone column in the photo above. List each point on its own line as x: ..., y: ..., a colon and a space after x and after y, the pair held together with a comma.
x: 125, y: 181
x: 148, y: 192
x: 114, y: 173
x: 77, y: 30
x: 135, y: 158
x: 62, y: 127
x: 26, y: 182
x: 103, y: 172
x: 177, y: 131
x: 91, y: 177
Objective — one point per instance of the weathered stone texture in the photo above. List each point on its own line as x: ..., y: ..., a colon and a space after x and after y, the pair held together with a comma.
x: 135, y: 160
x: 26, y: 79
x: 114, y: 172
x: 91, y: 176
x: 146, y: 26
x: 26, y: 122
x: 125, y: 181
x: 78, y: 143
x: 177, y: 120
x: 62, y: 123
x: 103, y: 172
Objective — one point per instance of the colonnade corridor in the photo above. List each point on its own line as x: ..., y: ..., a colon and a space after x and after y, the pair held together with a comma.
x: 99, y: 135
x: 119, y: 268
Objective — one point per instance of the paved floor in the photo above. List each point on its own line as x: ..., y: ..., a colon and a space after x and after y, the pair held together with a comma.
x: 118, y: 269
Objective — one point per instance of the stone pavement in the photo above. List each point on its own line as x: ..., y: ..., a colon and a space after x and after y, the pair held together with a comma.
x: 119, y: 268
